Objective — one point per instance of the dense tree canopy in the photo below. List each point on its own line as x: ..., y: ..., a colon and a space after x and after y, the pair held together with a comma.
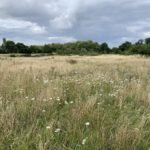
x: 147, y: 41
x: 79, y: 48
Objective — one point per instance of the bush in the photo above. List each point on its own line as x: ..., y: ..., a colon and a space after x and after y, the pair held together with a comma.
x: 72, y: 61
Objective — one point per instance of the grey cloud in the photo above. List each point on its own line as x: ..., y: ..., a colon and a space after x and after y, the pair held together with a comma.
x: 62, y: 20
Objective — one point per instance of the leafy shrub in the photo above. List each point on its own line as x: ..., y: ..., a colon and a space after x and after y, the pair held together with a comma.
x: 72, y: 61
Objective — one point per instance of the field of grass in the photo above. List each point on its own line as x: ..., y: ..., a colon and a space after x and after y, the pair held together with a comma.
x: 75, y: 103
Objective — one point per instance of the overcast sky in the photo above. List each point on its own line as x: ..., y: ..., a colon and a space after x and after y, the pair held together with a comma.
x: 47, y: 21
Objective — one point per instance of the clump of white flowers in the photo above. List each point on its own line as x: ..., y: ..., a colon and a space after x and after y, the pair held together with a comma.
x: 84, y: 141
x: 50, y: 98
x: 58, y: 99
x: 48, y: 127
x: 71, y: 102
x: 57, y: 130
x: 26, y: 97
x: 87, y: 124
x: 98, y: 103
x: 43, y: 110
x: 44, y: 100
x: 33, y: 98
x: 100, y: 94
x: 45, y: 81
x: 66, y: 102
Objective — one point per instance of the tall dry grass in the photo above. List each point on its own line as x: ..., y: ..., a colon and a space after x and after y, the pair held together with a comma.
x: 75, y: 103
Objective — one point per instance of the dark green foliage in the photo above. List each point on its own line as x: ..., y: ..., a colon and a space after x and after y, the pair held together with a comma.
x: 104, y: 48
x: 21, y: 48
x: 139, y: 42
x: 10, y: 47
x: 47, y: 49
x: 36, y: 49
x: 3, y: 47
x: 77, y: 48
x: 147, y: 41
x: 125, y: 46
x: 140, y: 49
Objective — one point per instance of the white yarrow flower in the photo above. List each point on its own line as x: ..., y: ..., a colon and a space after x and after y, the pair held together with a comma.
x: 57, y: 130
x: 48, y: 127
x: 44, y: 99
x: 57, y: 99
x: 66, y: 102
x: 33, y: 98
x: 87, y: 124
x: 43, y: 110
x: 45, y: 81
x: 84, y: 140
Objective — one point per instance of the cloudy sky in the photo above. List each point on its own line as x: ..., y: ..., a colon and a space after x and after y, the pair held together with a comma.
x: 47, y: 21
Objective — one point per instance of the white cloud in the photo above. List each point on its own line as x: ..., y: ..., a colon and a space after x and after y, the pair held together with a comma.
x: 62, y: 22
x: 37, y: 29
x: 134, y: 28
x: 14, y: 24
x: 146, y: 34
x: 59, y: 39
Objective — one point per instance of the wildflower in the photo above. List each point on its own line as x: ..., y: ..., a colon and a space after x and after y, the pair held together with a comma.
x: 57, y: 99
x: 111, y: 81
x: 87, y: 124
x: 48, y: 127
x: 66, y: 102
x: 21, y: 91
x: 57, y: 130
x: 43, y: 111
x: 84, y: 140
x: 89, y: 83
x: 71, y: 102
x: 26, y: 97
x: 32, y: 99
x: 45, y: 81
x: 98, y: 103
x: 100, y: 94
x: 44, y: 99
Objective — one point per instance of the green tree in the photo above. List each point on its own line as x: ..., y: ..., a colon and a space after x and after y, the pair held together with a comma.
x: 125, y: 46
x: 147, y: 41
x: 47, y: 49
x: 10, y: 47
x: 21, y: 48
x: 36, y: 49
x: 105, y: 48
x: 139, y: 42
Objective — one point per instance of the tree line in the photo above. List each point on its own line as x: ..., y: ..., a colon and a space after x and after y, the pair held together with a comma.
x: 79, y: 48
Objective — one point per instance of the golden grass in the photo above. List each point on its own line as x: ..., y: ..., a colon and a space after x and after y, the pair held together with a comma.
x: 46, y: 102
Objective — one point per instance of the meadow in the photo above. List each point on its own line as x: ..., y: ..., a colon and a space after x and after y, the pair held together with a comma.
x: 75, y: 103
